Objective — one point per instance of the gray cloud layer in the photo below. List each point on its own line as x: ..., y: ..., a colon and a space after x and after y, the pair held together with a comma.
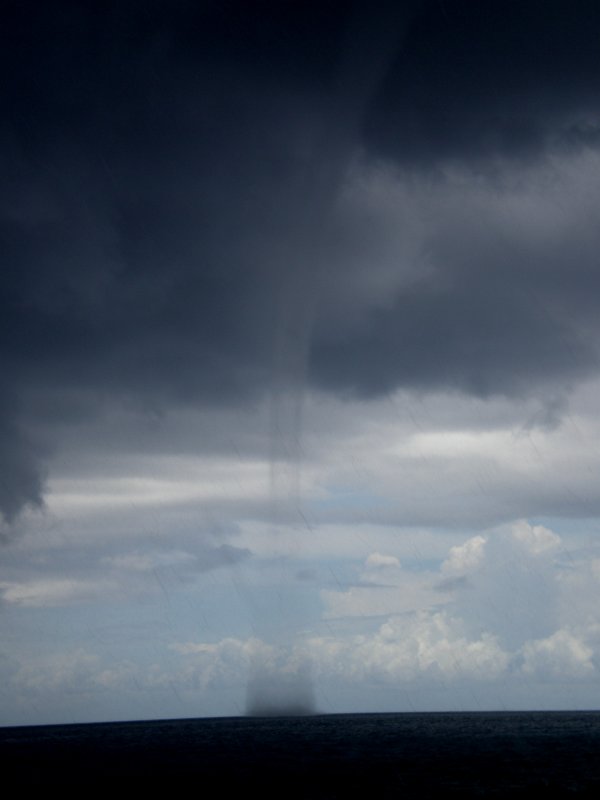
x: 175, y: 219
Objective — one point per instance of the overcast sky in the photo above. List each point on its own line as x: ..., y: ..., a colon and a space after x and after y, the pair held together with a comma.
x: 300, y: 338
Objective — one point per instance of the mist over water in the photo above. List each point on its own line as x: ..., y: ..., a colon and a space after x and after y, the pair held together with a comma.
x: 284, y: 690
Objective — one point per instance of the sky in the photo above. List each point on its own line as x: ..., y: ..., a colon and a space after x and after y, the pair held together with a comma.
x: 300, y: 349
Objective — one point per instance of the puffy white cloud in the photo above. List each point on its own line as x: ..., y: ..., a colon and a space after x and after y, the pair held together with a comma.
x: 507, y: 581
x: 509, y: 599
x: 406, y: 648
x: 562, y: 655
x: 383, y: 588
x: 276, y: 678
x: 535, y: 538
x: 225, y: 662
x: 53, y: 591
x: 427, y: 645
x: 465, y: 557
x: 74, y: 671
x: 377, y: 560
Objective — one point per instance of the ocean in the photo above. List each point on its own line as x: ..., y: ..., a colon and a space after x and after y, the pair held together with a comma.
x: 503, y: 754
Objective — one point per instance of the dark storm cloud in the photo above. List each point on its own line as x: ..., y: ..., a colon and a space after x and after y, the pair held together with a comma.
x: 168, y: 210
x: 432, y: 338
x: 480, y: 80
x: 492, y: 315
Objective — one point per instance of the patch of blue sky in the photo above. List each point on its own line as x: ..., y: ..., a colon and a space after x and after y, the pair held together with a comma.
x: 344, y: 498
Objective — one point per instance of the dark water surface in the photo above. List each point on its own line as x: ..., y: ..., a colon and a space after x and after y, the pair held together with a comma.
x: 507, y: 754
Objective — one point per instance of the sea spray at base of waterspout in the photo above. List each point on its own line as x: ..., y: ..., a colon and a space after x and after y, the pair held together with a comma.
x: 282, y: 688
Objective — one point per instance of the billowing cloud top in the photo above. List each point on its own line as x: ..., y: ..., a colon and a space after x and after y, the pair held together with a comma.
x: 206, y: 202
